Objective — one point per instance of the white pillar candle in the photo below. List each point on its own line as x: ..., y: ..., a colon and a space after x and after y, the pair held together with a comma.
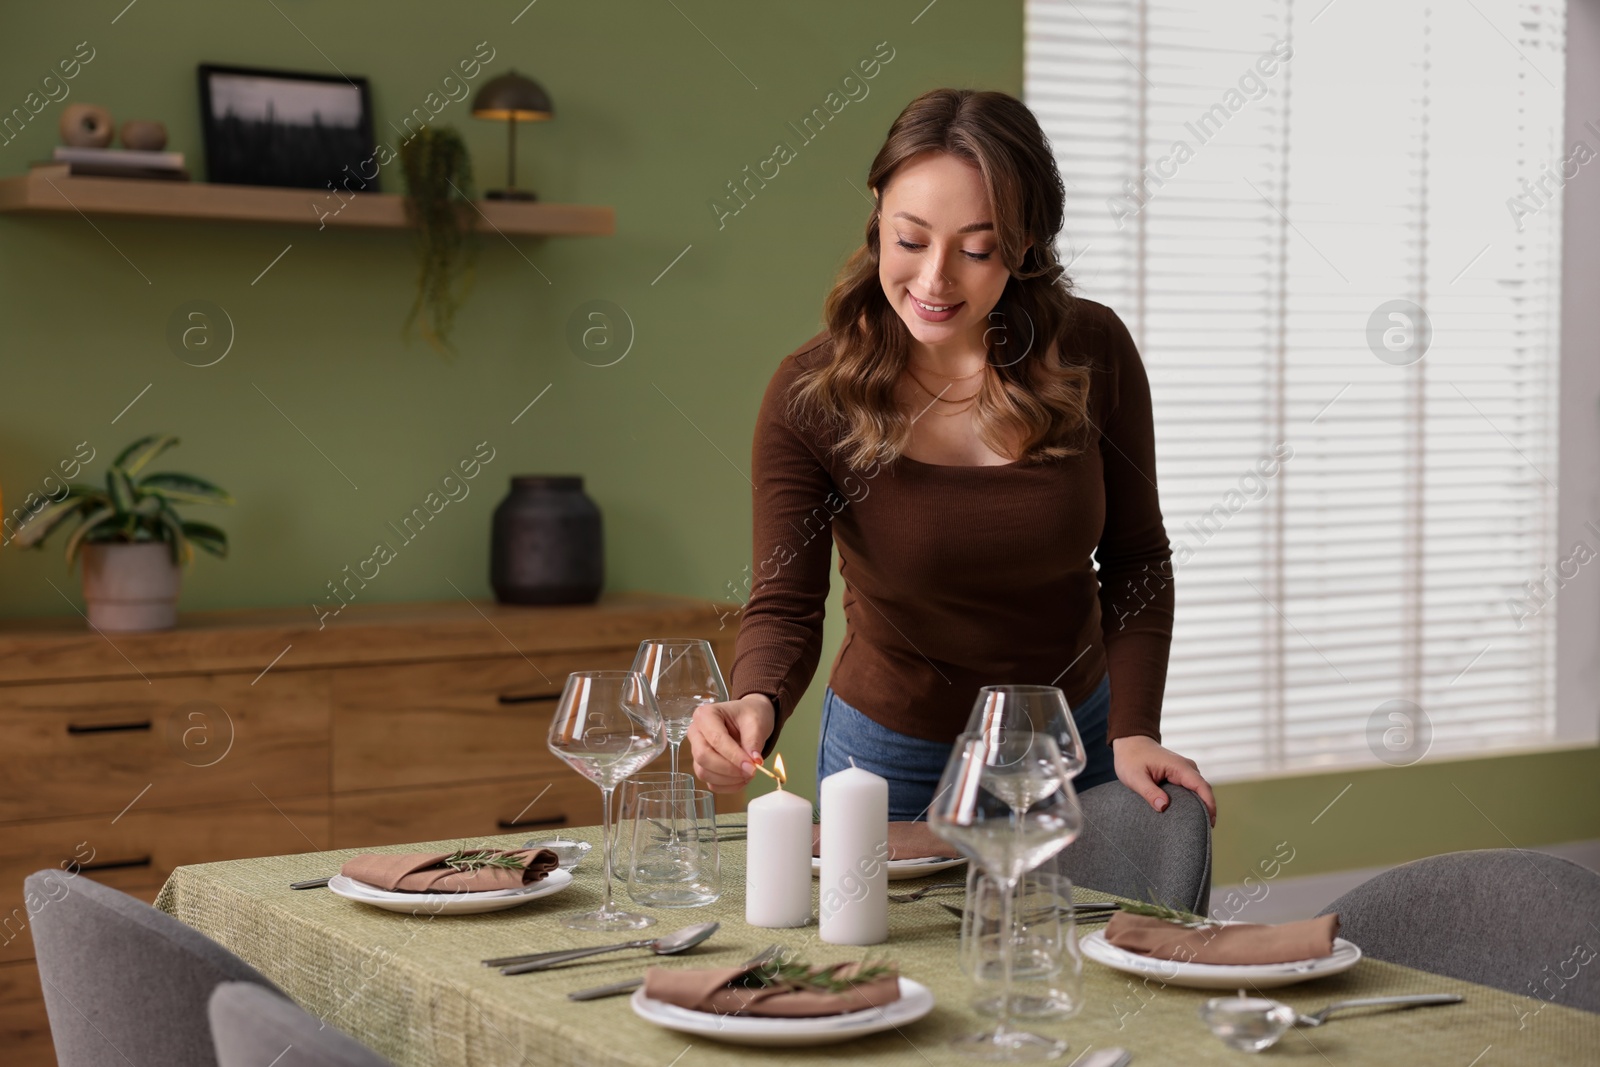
x: 777, y: 877
x: 853, y: 906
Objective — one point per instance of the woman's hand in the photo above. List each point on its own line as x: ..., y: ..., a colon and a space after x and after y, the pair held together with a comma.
x: 1143, y: 764
x: 726, y: 740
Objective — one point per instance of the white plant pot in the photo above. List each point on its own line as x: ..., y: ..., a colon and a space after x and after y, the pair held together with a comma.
x: 131, y: 586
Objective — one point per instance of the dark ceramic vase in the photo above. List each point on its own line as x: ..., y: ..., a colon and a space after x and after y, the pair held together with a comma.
x: 546, y: 547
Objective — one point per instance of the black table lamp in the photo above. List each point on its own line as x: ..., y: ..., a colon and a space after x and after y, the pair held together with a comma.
x: 514, y: 99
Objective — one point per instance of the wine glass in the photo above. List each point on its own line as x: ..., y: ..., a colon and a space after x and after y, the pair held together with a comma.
x: 606, y: 727
x: 683, y: 674
x: 1006, y: 802
x: 1038, y: 707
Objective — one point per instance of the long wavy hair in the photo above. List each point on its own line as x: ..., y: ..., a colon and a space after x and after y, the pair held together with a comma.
x: 1034, y: 394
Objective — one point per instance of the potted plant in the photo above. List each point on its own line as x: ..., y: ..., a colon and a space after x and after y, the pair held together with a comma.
x: 131, y: 539
x: 438, y: 202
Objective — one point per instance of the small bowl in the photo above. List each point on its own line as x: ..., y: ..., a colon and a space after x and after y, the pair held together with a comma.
x: 1248, y: 1024
x: 568, y: 853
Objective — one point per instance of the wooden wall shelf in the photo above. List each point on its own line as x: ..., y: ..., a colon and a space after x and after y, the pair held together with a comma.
x: 49, y: 190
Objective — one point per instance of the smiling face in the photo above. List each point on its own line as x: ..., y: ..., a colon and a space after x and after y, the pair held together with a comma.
x: 938, y: 260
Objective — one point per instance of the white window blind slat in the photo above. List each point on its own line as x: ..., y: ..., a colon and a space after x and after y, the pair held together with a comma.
x: 1379, y: 561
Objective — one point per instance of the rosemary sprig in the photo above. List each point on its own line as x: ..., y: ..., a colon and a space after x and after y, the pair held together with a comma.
x: 1157, y: 910
x: 472, y: 859
x: 800, y: 975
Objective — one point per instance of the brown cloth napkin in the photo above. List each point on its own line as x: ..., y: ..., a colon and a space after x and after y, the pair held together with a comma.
x: 708, y: 990
x: 423, y: 872
x: 1238, y: 943
x: 907, y: 841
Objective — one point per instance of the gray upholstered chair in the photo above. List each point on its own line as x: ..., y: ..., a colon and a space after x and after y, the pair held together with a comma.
x: 123, y: 982
x: 1131, y: 850
x: 1516, y: 920
x: 253, y: 1027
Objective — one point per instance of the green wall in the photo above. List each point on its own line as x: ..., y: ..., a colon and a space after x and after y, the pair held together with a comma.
x: 1393, y: 814
x: 652, y: 118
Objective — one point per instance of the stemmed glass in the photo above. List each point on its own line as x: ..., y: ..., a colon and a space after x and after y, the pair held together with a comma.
x: 1006, y: 802
x: 607, y: 727
x: 1040, y: 708
x: 683, y: 674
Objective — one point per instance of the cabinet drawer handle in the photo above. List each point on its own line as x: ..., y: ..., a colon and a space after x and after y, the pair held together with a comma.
x: 527, y: 824
x: 528, y: 698
x: 107, y: 727
x: 115, y: 865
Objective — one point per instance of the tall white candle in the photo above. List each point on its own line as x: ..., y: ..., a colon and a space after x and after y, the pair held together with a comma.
x: 853, y: 905
x: 777, y: 878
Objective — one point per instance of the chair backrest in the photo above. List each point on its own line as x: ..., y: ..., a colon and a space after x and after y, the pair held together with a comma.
x: 124, y: 982
x: 1520, y: 921
x: 1130, y: 849
x: 253, y: 1027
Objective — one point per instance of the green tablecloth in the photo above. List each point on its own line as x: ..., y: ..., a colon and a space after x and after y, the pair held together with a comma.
x: 413, y: 989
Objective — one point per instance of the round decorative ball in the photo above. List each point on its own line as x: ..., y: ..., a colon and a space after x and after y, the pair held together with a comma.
x: 144, y: 134
x: 86, y: 126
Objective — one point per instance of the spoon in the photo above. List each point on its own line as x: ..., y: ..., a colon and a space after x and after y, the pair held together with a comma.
x: 665, y: 945
x: 1416, y: 1001
x: 569, y: 853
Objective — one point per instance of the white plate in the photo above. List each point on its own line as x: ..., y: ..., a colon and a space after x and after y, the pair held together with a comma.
x: 916, y: 1000
x: 899, y: 870
x: 449, y: 903
x: 1219, y: 975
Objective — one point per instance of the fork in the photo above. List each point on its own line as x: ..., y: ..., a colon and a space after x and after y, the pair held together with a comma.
x: 918, y: 894
x: 630, y: 984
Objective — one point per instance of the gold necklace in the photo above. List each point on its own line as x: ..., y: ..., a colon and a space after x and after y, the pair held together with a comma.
x: 939, y: 398
x: 960, y: 378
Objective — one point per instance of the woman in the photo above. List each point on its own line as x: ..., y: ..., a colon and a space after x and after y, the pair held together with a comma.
x: 969, y: 433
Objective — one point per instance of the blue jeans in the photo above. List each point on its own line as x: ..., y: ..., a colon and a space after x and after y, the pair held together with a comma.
x: 913, y: 766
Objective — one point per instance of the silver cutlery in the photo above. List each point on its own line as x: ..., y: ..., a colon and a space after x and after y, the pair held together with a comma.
x: 1084, y: 913
x: 568, y: 853
x: 312, y: 883
x: 1317, y: 1018
x: 665, y: 945
x: 630, y: 984
x: 918, y: 894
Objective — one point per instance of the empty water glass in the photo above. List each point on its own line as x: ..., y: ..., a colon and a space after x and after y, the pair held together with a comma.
x: 627, y: 807
x: 674, y: 862
x: 1047, y: 968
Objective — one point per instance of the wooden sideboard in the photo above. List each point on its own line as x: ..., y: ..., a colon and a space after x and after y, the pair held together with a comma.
x: 251, y: 733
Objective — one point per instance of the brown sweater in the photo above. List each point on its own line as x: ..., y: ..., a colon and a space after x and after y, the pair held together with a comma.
x: 958, y: 577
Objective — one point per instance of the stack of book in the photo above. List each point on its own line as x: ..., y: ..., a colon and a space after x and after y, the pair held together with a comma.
x: 121, y: 163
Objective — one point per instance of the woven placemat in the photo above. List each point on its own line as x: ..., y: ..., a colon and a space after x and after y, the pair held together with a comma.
x: 412, y: 987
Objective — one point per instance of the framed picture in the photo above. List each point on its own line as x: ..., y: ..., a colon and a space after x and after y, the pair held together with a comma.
x: 270, y: 127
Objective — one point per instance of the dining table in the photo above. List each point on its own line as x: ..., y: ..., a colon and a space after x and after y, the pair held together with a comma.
x: 413, y: 987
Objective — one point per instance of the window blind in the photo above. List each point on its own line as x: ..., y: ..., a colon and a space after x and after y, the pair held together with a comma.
x: 1283, y: 202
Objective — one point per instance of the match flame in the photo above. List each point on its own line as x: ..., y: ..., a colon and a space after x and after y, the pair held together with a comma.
x: 780, y: 777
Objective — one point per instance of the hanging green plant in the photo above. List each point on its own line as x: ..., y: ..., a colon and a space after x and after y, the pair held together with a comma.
x: 438, y: 174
